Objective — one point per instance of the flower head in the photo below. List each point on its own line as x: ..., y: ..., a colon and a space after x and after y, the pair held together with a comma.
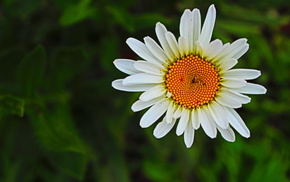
x: 190, y: 81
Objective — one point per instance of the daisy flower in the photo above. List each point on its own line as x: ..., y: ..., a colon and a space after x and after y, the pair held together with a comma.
x: 189, y: 81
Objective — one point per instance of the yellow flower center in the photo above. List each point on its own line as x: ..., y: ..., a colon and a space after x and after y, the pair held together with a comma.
x: 192, y: 81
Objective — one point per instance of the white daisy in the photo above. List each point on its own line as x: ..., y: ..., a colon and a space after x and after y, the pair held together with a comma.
x: 189, y: 81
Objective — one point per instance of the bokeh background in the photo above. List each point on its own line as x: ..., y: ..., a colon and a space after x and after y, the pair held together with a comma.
x: 61, y: 121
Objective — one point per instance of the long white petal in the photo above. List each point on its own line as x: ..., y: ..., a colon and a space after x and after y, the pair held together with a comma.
x: 240, y: 97
x: 142, y: 78
x: 172, y: 43
x: 155, y: 49
x: 226, y: 98
x: 170, y: 111
x: 141, y: 50
x: 227, y: 64
x: 228, y: 134
x: 230, y: 98
x: 233, y: 82
x: 163, y: 128
x: 207, y: 122
x: 212, y: 49
x: 207, y: 28
x: 183, y: 48
x: 246, y: 74
x: 140, y: 105
x: 118, y: 84
x: 154, y: 113
x: 147, y: 67
x: 152, y: 93
x: 186, y: 28
x: 194, y: 119
x: 182, y: 122
x: 218, y: 114
x: 234, y: 49
x: 160, y: 30
x: 241, y: 52
x: 126, y: 66
x: 188, y: 135
x: 177, y: 112
x: 252, y: 88
x: 196, y: 25
x: 237, y: 122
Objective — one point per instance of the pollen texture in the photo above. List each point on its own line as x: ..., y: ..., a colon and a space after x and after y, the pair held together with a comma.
x: 192, y: 81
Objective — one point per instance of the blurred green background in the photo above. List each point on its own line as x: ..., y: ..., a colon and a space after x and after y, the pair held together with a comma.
x: 61, y: 121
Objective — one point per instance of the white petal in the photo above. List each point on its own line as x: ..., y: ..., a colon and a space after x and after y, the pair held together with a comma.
x: 147, y: 67
x: 172, y: 43
x: 240, y: 97
x: 230, y: 98
x: 142, y: 78
x: 154, y: 113
x: 118, y: 84
x: 182, y: 122
x: 177, y: 112
x: 155, y: 49
x: 252, y: 88
x: 126, y: 66
x: 183, y: 48
x: 141, y: 50
x: 152, y: 93
x: 246, y: 74
x: 241, y: 52
x: 212, y: 49
x: 218, y: 114
x: 199, y: 47
x: 226, y: 98
x: 163, y: 128
x: 169, y: 114
x: 228, y: 134
x: 208, y: 26
x: 186, y: 28
x: 196, y: 25
x: 194, y: 119
x: 233, y: 82
x: 140, y: 105
x: 233, y: 49
x: 207, y: 122
x: 237, y: 122
x: 188, y: 135
x: 227, y: 64
x: 160, y: 30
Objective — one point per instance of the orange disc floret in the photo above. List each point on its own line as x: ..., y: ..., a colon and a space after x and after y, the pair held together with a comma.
x: 192, y: 81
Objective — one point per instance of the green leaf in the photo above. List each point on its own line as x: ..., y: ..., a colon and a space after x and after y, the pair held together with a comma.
x: 122, y: 17
x: 76, y: 13
x: 59, y: 137
x: 31, y: 71
x: 109, y: 51
x: 66, y: 63
x: 11, y: 105
x: 73, y: 164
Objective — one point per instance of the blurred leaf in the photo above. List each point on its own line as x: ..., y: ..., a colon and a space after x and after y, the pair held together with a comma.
x: 71, y: 163
x: 150, y: 19
x: 121, y: 17
x: 249, y: 15
x: 31, y: 71
x: 76, y: 13
x: 109, y: 49
x: 66, y: 63
x: 238, y: 28
x: 57, y: 134
x: 11, y: 105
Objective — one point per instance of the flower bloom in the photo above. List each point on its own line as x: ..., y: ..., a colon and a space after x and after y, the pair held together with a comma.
x: 190, y: 81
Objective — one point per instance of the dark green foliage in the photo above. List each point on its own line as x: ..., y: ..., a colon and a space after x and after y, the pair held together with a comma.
x: 61, y: 121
